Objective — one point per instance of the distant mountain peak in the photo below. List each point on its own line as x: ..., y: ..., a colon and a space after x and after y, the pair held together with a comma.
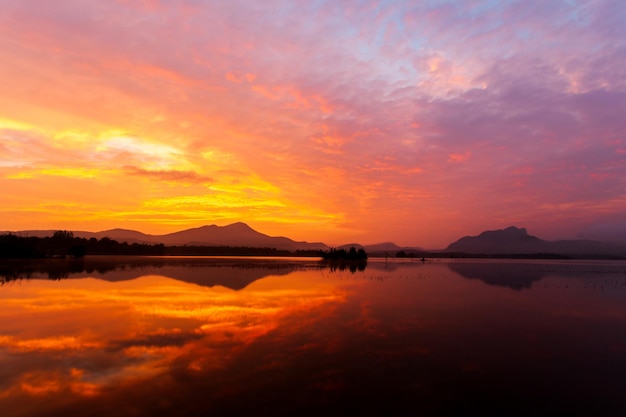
x: 514, y: 240
x: 509, y: 240
x: 509, y: 231
x: 235, y: 234
x: 119, y: 230
x: 239, y: 225
x: 205, y: 227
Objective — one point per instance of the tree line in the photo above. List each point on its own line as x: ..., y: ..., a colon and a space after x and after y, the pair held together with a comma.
x: 353, y: 254
x: 64, y: 244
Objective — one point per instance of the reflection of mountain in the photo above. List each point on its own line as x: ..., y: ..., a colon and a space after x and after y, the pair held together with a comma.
x: 516, y: 276
x: 233, y: 277
x: 233, y: 273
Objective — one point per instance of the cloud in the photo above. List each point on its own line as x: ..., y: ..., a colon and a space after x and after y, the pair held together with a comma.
x: 160, y: 339
x: 459, y: 157
x: 168, y: 175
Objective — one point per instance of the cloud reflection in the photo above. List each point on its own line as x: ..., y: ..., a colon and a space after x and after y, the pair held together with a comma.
x: 399, y: 336
x: 84, y: 338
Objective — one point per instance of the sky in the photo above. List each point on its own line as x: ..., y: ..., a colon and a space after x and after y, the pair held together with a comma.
x: 416, y: 122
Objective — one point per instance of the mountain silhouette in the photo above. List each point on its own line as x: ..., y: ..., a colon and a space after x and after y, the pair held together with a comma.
x: 509, y: 241
x: 121, y: 235
x: 235, y: 235
x: 513, y: 240
x: 382, y: 249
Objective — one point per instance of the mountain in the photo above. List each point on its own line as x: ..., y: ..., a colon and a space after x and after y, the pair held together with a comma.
x: 236, y: 234
x: 390, y: 249
x: 121, y: 235
x: 347, y: 246
x: 507, y: 241
x: 382, y: 249
x: 513, y: 240
x: 605, y: 232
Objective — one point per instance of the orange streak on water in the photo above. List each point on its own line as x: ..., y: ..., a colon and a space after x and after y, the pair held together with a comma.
x: 139, y: 327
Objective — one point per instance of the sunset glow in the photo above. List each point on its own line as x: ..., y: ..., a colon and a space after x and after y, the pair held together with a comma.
x: 368, y: 121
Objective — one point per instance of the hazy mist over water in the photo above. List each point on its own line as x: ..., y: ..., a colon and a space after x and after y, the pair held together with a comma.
x: 271, y: 337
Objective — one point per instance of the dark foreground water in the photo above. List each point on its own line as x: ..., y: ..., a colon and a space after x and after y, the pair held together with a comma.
x: 264, y: 337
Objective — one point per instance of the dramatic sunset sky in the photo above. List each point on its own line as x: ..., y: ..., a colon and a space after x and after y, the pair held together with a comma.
x: 416, y: 122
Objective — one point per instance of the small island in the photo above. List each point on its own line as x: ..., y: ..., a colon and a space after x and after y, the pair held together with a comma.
x: 340, y: 259
x: 353, y: 254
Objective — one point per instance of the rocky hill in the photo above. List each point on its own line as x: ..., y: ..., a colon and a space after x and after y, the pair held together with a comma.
x: 513, y: 240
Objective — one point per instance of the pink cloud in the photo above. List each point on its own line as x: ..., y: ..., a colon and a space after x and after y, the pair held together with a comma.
x: 168, y: 175
x: 459, y: 157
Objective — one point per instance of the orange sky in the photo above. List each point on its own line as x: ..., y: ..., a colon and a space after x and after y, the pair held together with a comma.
x: 359, y: 121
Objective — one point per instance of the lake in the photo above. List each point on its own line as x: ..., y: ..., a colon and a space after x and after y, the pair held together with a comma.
x: 210, y: 336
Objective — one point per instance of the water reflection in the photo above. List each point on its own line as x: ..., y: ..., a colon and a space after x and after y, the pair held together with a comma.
x: 114, y: 335
x: 352, y: 266
x: 312, y: 341
x: 235, y: 273
x: 522, y: 275
x: 515, y: 276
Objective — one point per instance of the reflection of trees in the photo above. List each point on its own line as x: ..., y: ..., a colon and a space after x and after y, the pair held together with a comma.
x: 50, y: 268
x: 35, y: 268
x: 352, y: 266
x: 234, y: 273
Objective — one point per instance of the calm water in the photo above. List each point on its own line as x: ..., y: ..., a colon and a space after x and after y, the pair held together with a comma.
x: 217, y: 337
